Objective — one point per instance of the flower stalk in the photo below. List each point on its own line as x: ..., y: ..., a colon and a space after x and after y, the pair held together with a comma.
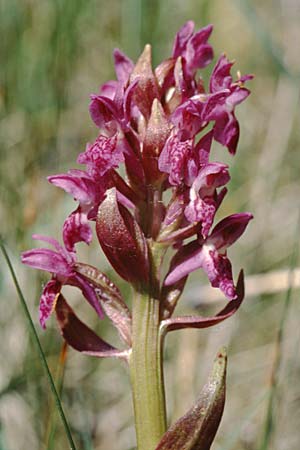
x: 146, y: 372
x: 146, y: 358
x: 160, y: 124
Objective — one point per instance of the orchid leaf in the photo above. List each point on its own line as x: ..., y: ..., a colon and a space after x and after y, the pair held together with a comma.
x: 197, y: 428
x: 80, y: 336
x: 177, y: 323
x: 111, y: 299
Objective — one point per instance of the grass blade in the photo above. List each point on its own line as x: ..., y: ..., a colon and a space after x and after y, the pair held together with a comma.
x: 39, y: 347
x: 59, y: 379
x: 269, y: 425
x: 263, y: 35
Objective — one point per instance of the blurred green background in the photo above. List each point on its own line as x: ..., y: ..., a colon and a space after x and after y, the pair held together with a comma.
x: 54, y: 53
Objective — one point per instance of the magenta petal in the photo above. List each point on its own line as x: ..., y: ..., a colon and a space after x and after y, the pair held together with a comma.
x: 176, y: 237
x: 204, y: 211
x: 219, y: 271
x: 49, y: 240
x: 65, y: 254
x: 88, y: 291
x: 215, y: 105
x: 212, y: 175
x: 109, y: 89
x: 229, y: 230
x: 203, y: 196
x: 47, y: 301
x: 182, y: 38
x: 123, y: 200
x: 102, y: 111
x: 198, y: 53
x: 227, y: 132
x: 246, y: 77
x: 220, y: 196
x: 202, y: 57
x: 127, y: 103
x: 237, y: 96
x: 188, y: 117
x: 216, y: 266
x: 192, y: 261
x: 48, y: 260
x: 76, y: 229
x: 221, y: 78
x: 104, y: 154
x: 76, y: 183
x: 203, y: 147
x: 210, y: 255
x: 175, y: 158
x: 123, y: 66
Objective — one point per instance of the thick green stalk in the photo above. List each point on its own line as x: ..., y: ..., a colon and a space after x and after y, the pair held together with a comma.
x: 145, y: 362
x: 147, y: 373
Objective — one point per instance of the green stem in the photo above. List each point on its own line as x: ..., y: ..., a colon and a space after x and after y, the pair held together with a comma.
x: 145, y: 361
x: 147, y: 373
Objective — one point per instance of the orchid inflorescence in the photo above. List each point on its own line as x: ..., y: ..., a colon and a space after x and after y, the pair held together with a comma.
x: 160, y: 125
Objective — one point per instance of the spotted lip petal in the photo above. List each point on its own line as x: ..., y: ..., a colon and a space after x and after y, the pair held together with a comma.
x: 216, y: 266
x: 47, y: 301
x: 76, y: 229
x: 176, y: 159
x: 204, y: 200
x: 101, y: 156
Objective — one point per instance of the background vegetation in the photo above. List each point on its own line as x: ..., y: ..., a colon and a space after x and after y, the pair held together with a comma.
x: 54, y: 53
